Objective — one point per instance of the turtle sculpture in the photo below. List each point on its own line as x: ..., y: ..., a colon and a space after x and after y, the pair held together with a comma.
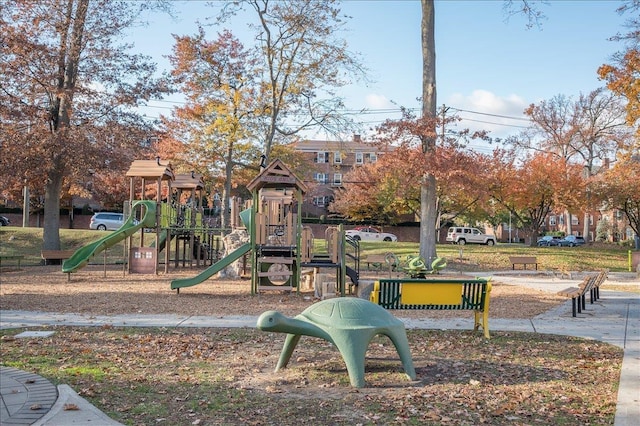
x: 347, y: 322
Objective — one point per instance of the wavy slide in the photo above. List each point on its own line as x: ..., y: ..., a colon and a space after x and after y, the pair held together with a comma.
x: 213, y: 269
x: 82, y: 256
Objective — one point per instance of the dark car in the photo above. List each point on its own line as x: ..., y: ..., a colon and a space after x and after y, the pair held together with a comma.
x: 549, y: 241
x: 4, y: 221
x: 571, y: 241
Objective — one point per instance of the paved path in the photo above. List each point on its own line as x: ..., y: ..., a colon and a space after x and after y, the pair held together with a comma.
x: 28, y: 399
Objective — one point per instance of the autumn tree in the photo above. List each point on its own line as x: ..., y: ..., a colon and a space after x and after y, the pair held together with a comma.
x: 215, y: 129
x: 623, y: 74
x: 587, y: 131
x: 428, y: 183
x: 67, y: 93
x: 390, y: 187
x: 531, y: 187
x: 618, y: 187
x: 303, y: 63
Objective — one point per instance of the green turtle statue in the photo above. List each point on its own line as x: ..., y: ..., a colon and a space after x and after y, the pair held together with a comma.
x: 349, y: 323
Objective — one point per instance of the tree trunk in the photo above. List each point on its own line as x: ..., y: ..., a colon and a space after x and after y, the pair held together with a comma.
x: 60, y: 120
x: 428, y: 208
x: 585, y: 227
x: 51, y: 230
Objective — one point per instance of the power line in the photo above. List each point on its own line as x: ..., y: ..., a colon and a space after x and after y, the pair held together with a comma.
x: 491, y: 115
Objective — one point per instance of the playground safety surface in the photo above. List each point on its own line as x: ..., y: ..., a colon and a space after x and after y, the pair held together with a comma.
x: 614, y: 319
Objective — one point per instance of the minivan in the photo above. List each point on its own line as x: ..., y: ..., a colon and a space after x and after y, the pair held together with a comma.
x: 105, y: 221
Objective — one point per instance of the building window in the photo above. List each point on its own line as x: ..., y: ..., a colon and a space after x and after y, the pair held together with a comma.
x: 552, y: 220
x: 321, y: 177
x: 337, y: 179
x: 372, y: 157
x: 359, y: 158
x: 322, y: 201
x: 337, y: 157
x: 590, y: 220
x: 574, y: 220
x: 561, y: 219
x: 629, y: 233
x: 618, y: 215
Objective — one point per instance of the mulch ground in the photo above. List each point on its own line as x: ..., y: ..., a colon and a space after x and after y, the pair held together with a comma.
x: 95, y: 291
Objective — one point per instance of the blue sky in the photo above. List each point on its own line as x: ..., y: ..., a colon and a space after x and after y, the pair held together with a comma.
x: 486, y: 63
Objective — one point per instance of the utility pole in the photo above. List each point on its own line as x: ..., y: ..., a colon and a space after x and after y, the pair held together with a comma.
x: 445, y: 109
x: 25, y: 205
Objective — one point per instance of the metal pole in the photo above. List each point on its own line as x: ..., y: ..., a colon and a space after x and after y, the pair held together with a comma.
x: 25, y: 206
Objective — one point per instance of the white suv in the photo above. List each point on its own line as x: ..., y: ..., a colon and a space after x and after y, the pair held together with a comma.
x: 463, y: 235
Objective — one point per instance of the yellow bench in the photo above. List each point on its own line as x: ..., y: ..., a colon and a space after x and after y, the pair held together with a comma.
x: 449, y: 294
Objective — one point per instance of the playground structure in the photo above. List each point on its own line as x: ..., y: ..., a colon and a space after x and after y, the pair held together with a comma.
x: 280, y: 247
x: 167, y: 215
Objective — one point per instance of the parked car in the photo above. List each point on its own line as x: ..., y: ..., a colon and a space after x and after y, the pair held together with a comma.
x: 368, y: 233
x: 465, y: 235
x: 549, y: 241
x: 4, y: 221
x: 105, y: 221
x: 571, y: 241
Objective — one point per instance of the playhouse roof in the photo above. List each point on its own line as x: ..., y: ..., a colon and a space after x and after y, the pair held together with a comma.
x: 188, y: 181
x: 151, y: 169
x: 276, y: 175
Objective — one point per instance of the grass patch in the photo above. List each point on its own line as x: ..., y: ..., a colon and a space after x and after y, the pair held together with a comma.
x: 491, y: 258
x: 28, y: 242
x: 224, y: 376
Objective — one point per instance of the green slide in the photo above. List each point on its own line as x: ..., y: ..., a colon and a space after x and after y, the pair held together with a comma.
x: 82, y: 256
x: 216, y: 267
x: 162, y: 240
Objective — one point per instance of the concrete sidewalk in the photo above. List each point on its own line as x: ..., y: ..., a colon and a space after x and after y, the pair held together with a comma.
x: 614, y: 319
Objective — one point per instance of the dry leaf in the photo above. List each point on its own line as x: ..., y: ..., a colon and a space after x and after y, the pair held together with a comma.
x: 71, y: 407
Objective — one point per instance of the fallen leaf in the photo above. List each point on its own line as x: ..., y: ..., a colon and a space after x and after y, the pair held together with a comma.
x: 71, y: 407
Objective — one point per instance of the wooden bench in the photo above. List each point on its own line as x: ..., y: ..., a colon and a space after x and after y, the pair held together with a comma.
x: 55, y: 255
x: 524, y: 261
x: 378, y: 261
x: 17, y: 257
x: 578, y: 295
x: 449, y: 294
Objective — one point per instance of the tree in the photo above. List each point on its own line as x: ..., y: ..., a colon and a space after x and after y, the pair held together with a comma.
x: 303, y: 62
x: 428, y: 184
x: 390, y: 187
x: 67, y: 94
x: 529, y: 189
x: 586, y: 132
x: 618, y: 188
x: 623, y: 75
x: 217, y: 124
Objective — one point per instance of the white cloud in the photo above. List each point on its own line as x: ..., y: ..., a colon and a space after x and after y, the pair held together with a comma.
x: 375, y: 101
x: 484, y: 110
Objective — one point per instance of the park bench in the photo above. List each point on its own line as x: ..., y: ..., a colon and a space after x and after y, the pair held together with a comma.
x: 524, y: 261
x: 16, y: 257
x: 591, y: 284
x: 52, y: 257
x: 378, y: 261
x: 443, y: 294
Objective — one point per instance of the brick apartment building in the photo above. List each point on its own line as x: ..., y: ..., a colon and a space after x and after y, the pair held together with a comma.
x: 330, y: 162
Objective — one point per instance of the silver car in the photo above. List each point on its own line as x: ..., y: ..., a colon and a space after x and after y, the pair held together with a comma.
x: 105, y: 221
